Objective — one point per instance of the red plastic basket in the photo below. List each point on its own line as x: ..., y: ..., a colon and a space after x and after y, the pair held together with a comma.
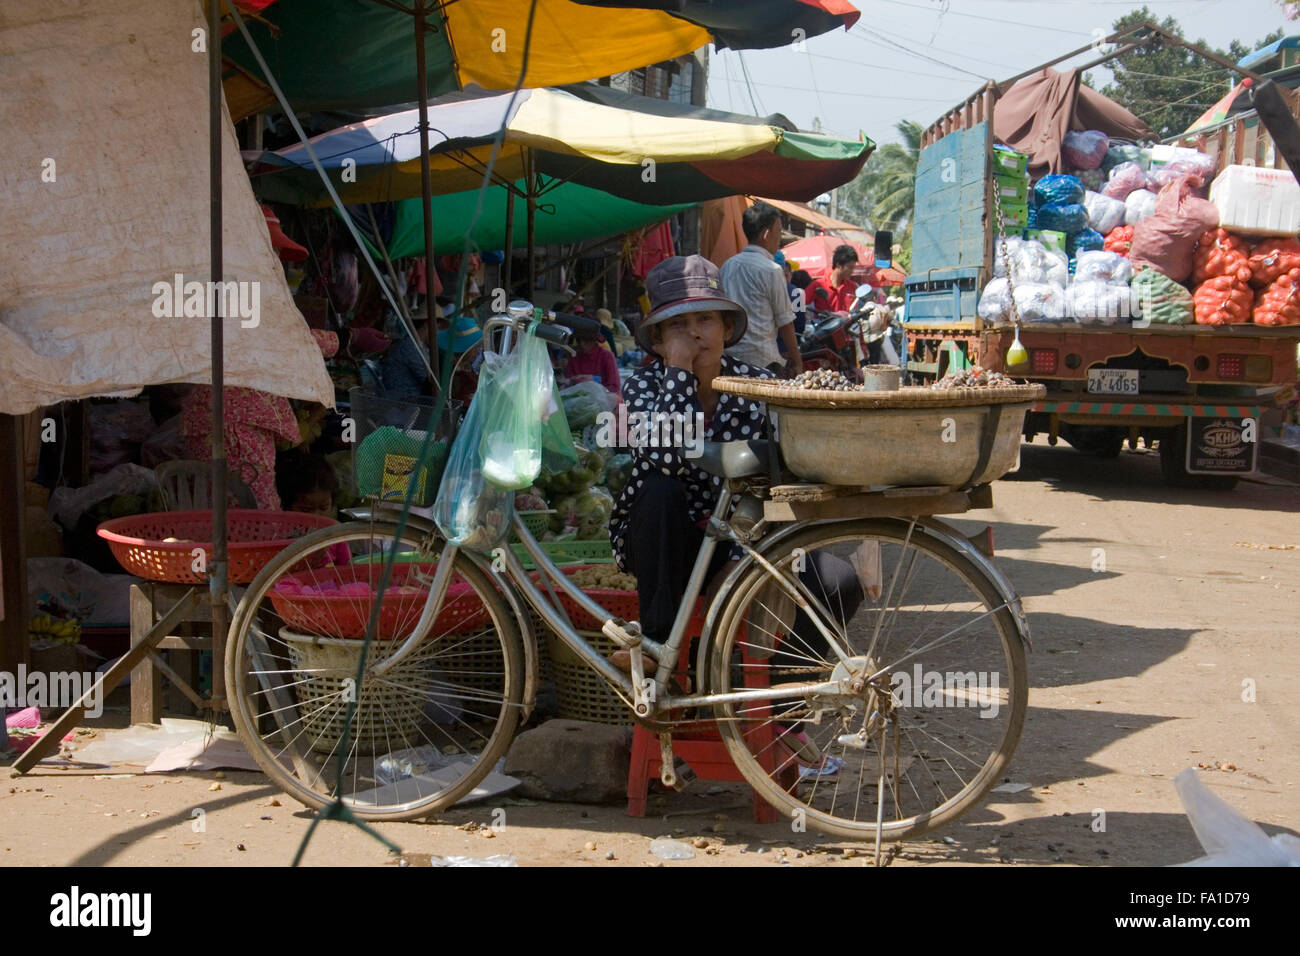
x: 346, y: 616
x: 624, y: 604
x: 253, y: 539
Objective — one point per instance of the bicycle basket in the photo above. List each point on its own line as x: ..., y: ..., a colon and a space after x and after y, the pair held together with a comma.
x: 390, y: 445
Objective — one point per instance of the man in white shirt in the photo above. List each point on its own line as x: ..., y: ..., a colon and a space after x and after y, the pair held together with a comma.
x: 753, y: 278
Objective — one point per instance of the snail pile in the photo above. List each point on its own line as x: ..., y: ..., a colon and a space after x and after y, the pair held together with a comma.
x: 974, y: 377
x: 823, y: 379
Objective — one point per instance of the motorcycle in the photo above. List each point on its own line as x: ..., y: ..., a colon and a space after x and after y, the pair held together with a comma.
x: 868, y: 334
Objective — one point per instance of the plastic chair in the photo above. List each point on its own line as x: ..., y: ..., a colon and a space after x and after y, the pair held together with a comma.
x: 187, y: 486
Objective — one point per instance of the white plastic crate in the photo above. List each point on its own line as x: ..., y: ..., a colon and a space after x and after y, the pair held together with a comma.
x: 1257, y: 201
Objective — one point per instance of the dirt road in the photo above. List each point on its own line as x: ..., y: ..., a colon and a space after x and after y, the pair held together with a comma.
x: 1164, y: 637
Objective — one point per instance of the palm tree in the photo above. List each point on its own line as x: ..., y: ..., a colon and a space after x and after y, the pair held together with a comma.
x: 884, y: 192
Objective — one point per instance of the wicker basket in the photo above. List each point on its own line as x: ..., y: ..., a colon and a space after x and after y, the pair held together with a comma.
x: 581, y: 693
x: 781, y: 395
x: 390, y: 712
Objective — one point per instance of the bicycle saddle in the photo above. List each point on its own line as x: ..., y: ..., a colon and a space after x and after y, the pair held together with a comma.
x: 734, y: 459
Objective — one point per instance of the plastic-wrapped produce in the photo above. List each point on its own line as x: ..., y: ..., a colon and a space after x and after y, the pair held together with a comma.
x: 1093, y: 179
x: 1186, y: 161
x: 995, y: 301
x: 1104, y: 213
x: 1031, y: 261
x: 1138, y: 205
x: 1063, y: 218
x: 1120, y: 153
x: 1058, y: 190
x: 1124, y: 179
x: 1096, y: 302
x: 1158, y: 299
x: 1167, y: 240
x: 1085, y: 150
x: 1120, y: 240
x: 1035, y: 301
x: 1095, y: 266
x: 1085, y: 240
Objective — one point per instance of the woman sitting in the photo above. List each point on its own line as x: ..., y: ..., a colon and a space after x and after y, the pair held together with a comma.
x: 659, y: 519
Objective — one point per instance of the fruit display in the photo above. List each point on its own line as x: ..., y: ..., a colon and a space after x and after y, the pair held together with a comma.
x: 604, y: 577
x: 43, y: 628
x: 823, y: 379
x: 974, y: 377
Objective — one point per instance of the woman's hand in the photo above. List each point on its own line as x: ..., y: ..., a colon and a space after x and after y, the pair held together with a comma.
x: 679, y: 348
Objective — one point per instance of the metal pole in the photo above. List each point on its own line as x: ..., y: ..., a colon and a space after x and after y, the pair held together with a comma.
x: 426, y: 184
x: 532, y: 216
x: 509, y: 243
x: 217, y: 583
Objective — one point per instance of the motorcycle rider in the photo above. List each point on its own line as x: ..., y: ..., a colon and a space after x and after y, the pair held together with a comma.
x: 835, y: 291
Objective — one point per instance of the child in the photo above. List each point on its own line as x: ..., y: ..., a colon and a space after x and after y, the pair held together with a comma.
x: 306, y: 484
x: 592, y: 361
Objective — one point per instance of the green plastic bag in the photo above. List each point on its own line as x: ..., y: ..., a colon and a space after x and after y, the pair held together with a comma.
x: 516, y: 398
x: 1158, y: 300
x: 469, y: 510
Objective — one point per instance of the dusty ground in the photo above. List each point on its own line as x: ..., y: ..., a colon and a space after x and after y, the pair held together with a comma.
x: 1137, y: 673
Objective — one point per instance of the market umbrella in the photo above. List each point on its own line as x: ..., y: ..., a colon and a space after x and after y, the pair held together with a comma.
x: 339, y: 54
x: 638, y: 148
x: 814, y: 254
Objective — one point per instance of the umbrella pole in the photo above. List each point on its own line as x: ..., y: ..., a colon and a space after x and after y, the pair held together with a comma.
x: 426, y: 185
x: 509, y: 244
x: 532, y: 224
x: 217, y: 582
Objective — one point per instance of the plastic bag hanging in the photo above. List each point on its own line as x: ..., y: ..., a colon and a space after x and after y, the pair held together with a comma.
x: 1017, y: 354
x: 515, y: 401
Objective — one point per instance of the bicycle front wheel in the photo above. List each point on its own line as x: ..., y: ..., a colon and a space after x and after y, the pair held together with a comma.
x: 425, y: 730
x: 930, y: 666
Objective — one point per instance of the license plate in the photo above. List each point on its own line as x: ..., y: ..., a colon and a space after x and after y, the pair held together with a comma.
x: 1113, y: 381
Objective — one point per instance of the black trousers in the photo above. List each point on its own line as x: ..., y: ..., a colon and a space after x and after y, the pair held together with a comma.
x: 662, y: 542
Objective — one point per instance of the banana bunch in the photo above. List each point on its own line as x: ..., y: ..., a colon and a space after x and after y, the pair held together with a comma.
x: 45, y: 628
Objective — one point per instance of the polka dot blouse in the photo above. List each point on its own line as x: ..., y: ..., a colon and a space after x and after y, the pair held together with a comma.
x: 664, y: 393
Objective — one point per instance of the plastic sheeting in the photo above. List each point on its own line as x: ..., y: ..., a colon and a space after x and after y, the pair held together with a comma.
x: 104, y: 171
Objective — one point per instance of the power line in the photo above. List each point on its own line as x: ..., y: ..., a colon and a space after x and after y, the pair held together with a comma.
x: 866, y: 96
x: 753, y: 98
x: 976, y: 16
x: 881, y: 38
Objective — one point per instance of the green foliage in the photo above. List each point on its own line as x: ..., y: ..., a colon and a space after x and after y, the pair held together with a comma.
x: 1170, y: 86
x: 884, y: 191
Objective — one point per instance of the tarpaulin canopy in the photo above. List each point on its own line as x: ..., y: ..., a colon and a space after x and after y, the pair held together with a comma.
x: 568, y: 213
x: 814, y: 254
x: 1036, y: 113
x: 96, y: 230
x: 645, y: 150
x: 338, y: 54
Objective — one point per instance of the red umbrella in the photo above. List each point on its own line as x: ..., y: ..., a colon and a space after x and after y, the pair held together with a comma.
x: 814, y: 254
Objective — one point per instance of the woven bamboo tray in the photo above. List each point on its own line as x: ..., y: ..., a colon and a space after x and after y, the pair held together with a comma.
x: 781, y: 395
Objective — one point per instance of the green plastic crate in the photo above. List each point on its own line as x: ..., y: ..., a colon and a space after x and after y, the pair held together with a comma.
x: 1009, y: 162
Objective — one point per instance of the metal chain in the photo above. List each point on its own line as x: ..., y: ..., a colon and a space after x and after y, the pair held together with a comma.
x: 1002, y: 247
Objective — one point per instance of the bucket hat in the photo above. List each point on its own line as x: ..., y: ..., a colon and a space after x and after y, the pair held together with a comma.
x: 463, y: 334
x: 683, y: 284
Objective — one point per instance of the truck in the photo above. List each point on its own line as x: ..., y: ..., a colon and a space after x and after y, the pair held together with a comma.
x: 1199, y: 393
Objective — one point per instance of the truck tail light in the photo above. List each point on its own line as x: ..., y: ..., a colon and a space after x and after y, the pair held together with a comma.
x: 1259, y: 368
x: 1231, y: 366
x: 1044, y: 361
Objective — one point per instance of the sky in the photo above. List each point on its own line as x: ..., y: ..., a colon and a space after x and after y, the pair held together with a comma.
x: 862, y: 81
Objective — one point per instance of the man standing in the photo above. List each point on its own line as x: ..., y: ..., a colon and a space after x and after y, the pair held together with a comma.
x: 834, y: 292
x: 753, y: 278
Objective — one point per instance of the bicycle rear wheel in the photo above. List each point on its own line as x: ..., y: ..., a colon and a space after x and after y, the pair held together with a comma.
x: 934, y: 688
x: 424, y: 733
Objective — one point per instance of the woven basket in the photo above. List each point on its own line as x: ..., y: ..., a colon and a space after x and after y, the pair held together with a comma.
x: 389, y: 715
x: 781, y: 395
x: 580, y: 692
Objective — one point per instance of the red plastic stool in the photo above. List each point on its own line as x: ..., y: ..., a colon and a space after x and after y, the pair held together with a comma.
x: 699, y: 744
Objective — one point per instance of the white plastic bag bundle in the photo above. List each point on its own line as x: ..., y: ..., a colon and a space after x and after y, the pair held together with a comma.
x: 1229, y: 838
x: 1104, y: 213
x: 1138, y: 205
x: 1096, y: 302
x: 1096, y: 266
x: 1031, y: 262
x: 1035, y: 301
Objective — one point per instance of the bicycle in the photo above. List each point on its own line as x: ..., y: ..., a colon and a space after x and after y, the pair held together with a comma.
x: 885, y: 715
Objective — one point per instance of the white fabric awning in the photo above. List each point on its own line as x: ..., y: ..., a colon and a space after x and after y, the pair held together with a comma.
x: 104, y: 179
